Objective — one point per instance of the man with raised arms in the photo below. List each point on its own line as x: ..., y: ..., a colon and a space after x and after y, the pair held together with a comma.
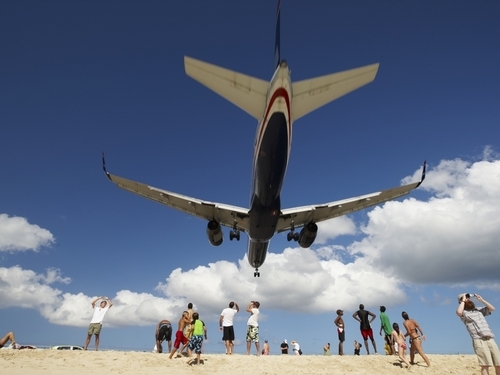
x: 226, y: 325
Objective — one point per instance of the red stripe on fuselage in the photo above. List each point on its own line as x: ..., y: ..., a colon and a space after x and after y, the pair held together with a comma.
x: 281, y: 92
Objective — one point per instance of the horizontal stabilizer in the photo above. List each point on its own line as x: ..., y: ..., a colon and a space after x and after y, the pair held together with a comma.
x: 313, y: 93
x: 244, y: 91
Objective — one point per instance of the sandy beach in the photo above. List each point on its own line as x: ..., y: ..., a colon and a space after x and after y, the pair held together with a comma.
x: 57, y: 362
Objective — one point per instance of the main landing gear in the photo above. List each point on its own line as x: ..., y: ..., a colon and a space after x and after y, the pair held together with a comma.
x: 292, y: 236
x: 256, y: 273
x: 234, y: 234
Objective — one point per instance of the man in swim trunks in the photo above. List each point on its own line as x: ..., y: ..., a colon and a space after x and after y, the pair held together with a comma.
x: 339, y: 322
x: 163, y: 332
x: 198, y: 331
x: 482, y: 337
x: 179, y: 335
x: 253, y: 326
x: 365, y: 317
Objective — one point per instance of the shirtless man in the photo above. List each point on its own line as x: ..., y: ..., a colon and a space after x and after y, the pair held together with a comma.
x: 365, y: 318
x: 339, y: 322
x: 179, y: 335
x: 399, y: 338
x: 412, y: 330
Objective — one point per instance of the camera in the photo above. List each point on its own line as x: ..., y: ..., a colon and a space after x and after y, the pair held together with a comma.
x: 469, y: 295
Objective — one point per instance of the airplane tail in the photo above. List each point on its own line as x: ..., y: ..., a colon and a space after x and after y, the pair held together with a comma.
x: 277, y: 56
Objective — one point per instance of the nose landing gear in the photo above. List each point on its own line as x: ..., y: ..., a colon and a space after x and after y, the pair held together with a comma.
x: 256, y: 273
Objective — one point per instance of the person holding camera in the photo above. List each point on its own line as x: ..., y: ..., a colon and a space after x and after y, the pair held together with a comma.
x: 253, y: 326
x: 483, y: 343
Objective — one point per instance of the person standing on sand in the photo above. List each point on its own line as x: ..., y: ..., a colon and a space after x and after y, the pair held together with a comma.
x: 253, y: 326
x: 179, y: 335
x: 95, y: 325
x: 198, y: 331
x: 339, y: 322
x: 366, y: 330
x: 385, y: 325
x: 484, y: 345
x: 398, y: 338
x: 416, y: 338
x: 226, y: 325
x: 284, y: 347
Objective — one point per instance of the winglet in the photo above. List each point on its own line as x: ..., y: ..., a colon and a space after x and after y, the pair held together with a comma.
x: 423, y: 174
x: 104, y: 167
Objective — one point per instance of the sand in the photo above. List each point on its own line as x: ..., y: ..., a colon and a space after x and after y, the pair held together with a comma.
x: 58, y: 362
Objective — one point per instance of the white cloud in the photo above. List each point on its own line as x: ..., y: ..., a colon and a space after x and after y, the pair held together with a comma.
x: 16, y: 234
x: 331, y: 229
x: 451, y: 238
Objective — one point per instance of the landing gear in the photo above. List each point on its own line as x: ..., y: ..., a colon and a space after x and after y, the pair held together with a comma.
x: 292, y: 236
x: 234, y: 234
x: 256, y: 273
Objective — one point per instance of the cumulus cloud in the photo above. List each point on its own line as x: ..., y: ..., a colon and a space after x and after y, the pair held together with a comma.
x: 331, y: 229
x: 449, y: 239
x: 16, y: 234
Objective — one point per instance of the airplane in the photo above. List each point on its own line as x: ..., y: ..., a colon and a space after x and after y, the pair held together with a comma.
x: 275, y: 104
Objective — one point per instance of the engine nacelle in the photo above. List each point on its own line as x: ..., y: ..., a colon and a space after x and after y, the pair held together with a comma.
x: 308, y: 235
x: 214, y: 233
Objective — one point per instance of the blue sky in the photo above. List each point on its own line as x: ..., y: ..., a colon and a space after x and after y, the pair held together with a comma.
x: 79, y: 78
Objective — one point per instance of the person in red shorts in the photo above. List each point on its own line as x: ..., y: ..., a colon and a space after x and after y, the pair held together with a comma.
x: 179, y: 335
x: 365, y: 317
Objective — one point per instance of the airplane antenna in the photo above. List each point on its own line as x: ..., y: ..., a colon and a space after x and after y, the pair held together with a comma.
x: 277, y: 41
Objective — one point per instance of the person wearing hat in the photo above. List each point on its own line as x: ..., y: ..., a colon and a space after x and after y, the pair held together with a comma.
x: 284, y: 347
x: 339, y: 322
x: 385, y: 325
x: 483, y: 343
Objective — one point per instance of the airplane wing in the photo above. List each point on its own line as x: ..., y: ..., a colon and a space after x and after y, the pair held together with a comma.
x: 313, y: 93
x: 227, y: 215
x: 300, y: 216
x: 244, y: 91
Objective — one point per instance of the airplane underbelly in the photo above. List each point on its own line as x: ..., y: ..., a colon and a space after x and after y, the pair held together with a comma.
x: 257, y: 252
x: 272, y: 160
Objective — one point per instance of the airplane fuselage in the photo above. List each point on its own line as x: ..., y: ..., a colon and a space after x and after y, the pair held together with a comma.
x: 271, y: 154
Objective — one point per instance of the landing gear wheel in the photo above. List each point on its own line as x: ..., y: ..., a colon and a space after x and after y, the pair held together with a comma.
x: 234, y: 234
x: 256, y: 273
x: 292, y: 236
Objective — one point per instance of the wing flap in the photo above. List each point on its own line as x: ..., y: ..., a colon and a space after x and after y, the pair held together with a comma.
x: 313, y: 93
x: 244, y: 91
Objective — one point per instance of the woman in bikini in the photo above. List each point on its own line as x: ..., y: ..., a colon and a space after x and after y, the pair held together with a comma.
x: 398, y: 337
x: 416, y: 338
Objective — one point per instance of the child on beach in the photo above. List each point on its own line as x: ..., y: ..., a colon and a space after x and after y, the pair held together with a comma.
x: 357, y: 347
x: 397, y: 337
x: 198, y: 331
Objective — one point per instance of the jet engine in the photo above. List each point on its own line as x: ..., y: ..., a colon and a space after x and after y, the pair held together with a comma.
x: 214, y: 233
x: 308, y: 235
